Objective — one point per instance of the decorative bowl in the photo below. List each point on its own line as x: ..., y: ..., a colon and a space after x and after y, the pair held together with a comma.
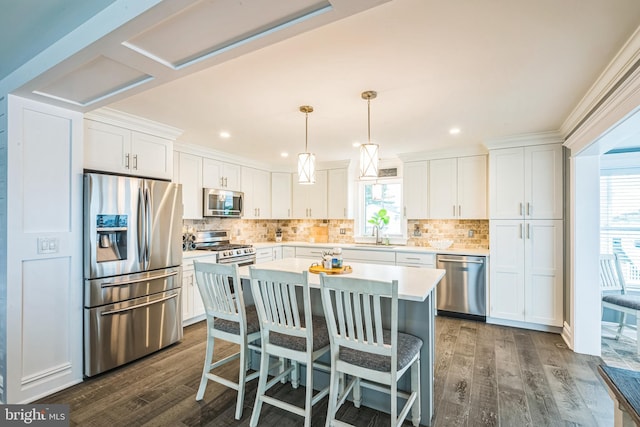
x: 440, y: 244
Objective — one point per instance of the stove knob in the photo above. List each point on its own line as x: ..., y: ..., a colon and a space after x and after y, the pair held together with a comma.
x: 246, y: 251
x: 226, y: 253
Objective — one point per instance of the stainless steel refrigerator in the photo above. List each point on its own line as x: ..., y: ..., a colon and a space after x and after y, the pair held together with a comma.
x: 132, y: 273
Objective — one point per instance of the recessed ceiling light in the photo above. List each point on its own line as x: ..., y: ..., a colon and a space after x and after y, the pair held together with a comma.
x: 225, y: 135
x: 356, y: 144
x: 454, y: 131
x: 284, y: 154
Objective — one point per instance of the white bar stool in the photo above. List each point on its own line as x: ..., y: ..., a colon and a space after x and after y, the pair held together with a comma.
x: 288, y: 331
x: 363, y: 350
x: 227, y: 319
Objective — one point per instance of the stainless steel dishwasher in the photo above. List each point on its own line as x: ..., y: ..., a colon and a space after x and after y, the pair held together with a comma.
x: 462, y: 291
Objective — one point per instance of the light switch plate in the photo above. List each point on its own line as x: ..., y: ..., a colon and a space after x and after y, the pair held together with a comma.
x: 48, y: 245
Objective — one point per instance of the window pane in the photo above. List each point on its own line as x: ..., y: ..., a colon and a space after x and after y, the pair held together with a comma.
x: 620, y: 221
x: 383, y: 196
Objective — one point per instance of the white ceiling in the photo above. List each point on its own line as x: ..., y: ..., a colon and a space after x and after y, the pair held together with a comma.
x: 27, y: 27
x: 493, y: 68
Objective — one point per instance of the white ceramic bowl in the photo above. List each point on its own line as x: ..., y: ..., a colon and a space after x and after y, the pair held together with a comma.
x: 440, y: 244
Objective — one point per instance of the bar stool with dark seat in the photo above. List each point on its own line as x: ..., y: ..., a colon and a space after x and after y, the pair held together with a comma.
x: 363, y: 350
x: 227, y: 319
x: 290, y: 331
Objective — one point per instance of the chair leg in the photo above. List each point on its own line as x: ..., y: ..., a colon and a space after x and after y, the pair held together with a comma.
x: 357, y: 393
x: 334, y: 391
x: 208, y: 360
x: 308, y: 394
x: 295, y: 374
x: 262, y: 385
x: 242, y: 378
x: 415, y: 388
x: 394, y: 404
x: 623, y: 319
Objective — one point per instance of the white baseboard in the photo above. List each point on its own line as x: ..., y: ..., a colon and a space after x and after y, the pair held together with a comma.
x: 567, y: 335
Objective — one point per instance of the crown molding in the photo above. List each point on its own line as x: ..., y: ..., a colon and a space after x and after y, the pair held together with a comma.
x: 615, y: 118
x: 525, y: 140
x: 616, y: 72
x: 129, y: 121
x: 210, y: 153
x: 447, y: 153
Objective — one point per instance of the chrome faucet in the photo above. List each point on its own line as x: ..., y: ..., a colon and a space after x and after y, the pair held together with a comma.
x: 376, y: 232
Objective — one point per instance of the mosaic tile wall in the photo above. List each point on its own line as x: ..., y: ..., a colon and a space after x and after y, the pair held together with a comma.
x: 257, y: 230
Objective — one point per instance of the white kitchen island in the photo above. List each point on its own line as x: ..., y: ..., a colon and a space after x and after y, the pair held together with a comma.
x: 416, y: 311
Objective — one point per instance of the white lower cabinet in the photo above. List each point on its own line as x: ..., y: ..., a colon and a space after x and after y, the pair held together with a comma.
x: 288, y: 252
x: 416, y: 259
x: 369, y: 257
x: 277, y: 252
x: 192, y: 306
x: 264, y: 254
x: 526, y: 275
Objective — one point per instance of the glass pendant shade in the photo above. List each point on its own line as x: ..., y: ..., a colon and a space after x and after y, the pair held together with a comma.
x: 306, y: 160
x: 369, y: 161
x: 306, y: 168
x: 369, y: 151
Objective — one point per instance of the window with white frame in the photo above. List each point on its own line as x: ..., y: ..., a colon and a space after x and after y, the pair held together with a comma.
x: 620, y: 218
x: 374, y: 196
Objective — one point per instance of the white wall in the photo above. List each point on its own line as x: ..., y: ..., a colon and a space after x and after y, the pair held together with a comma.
x: 44, y: 290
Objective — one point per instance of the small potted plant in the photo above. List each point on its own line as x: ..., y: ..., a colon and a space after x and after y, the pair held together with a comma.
x: 379, y: 220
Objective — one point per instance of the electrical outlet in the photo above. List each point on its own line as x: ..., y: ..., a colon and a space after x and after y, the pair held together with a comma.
x: 343, y: 231
x: 471, y: 233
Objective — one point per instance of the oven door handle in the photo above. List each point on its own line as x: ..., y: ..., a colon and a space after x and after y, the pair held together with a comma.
x: 120, y: 310
x: 143, y: 279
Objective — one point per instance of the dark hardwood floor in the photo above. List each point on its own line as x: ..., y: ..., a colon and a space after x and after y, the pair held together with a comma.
x: 485, y: 375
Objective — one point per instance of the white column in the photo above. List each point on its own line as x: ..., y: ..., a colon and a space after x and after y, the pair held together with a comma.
x: 585, y: 253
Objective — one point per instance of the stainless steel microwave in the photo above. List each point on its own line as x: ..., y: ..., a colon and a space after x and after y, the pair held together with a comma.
x: 222, y: 203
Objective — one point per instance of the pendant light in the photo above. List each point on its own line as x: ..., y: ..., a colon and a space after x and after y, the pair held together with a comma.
x: 369, y: 151
x: 306, y: 160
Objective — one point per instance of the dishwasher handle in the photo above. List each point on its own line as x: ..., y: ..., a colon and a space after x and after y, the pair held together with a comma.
x: 461, y: 261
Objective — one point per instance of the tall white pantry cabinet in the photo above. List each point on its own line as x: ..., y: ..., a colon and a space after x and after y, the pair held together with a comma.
x: 526, y: 234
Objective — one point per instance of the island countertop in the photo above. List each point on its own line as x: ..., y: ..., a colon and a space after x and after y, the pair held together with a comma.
x: 414, y: 284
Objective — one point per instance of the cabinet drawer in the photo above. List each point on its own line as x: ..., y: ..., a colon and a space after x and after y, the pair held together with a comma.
x: 308, y: 252
x: 425, y: 259
x: 264, y: 253
x: 187, y: 263
x: 368, y: 256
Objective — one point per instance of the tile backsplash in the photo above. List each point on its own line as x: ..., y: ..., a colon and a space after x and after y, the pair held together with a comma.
x: 299, y: 230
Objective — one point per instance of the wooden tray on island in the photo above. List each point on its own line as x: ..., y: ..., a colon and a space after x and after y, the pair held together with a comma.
x: 317, y: 269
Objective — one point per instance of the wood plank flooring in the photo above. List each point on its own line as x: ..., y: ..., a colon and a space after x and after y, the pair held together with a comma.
x: 485, y: 375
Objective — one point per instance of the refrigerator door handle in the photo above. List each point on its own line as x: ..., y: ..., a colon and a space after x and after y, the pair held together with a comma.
x: 133, y: 307
x: 140, y: 280
x: 141, y: 228
x: 148, y: 219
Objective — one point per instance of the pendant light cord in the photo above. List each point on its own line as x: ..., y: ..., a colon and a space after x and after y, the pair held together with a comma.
x: 306, y: 132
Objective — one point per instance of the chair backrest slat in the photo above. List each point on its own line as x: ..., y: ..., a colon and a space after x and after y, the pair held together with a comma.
x: 611, y: 278
x: 352, y: 320
x: 275, y: 296
x: 220, y: 290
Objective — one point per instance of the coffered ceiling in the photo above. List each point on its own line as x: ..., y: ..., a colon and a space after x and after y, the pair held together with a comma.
x: 491, y: 68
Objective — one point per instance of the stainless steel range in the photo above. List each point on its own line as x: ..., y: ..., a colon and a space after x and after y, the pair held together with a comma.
x: 226, y: 252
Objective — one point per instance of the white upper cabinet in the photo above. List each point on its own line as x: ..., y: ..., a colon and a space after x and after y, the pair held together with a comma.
x: 338, y: 194
x: 415, y: 180
x: 458, y: 188
x: 310, y: 200
x: 280, y: 195
x: 189, y: 174
x: 220, y: 175
x: 256, y: 185
x: 526, y: 182
x: 116, y: 149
